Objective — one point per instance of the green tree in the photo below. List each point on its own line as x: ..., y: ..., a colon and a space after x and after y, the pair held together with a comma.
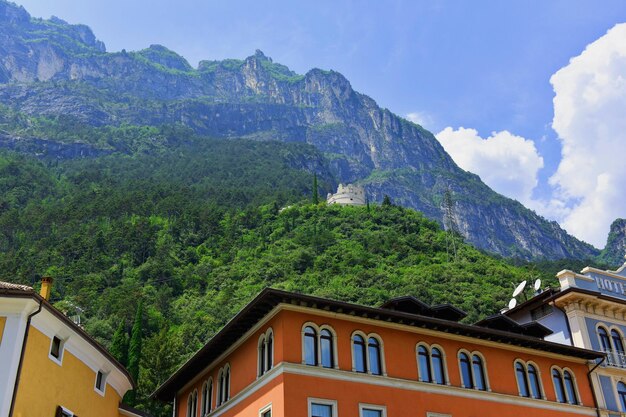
x: 386, y: 200
x: 134, y: 352
x: 119, y: 344
x: 316, y: 197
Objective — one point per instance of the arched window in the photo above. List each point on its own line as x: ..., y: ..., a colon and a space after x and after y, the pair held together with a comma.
x: 373, y: 350
x: 326, y: 348
x: 192, y: 404
x: 207, y: 393
x: 439, y: 375
x: 431, y: 367
x: 522, y: 381
x: 223, y: 392
x: 479, y: 373
x: 572, y: 398
x: 266, y: 351
x: 310, y: 346
x: 617, y: 341
x: 533, y: 379
x: 466, y: 370
x: 423, y: 359
x: 270, y: 349
x: 262, y: 355
x: 604, y: 339
x: 559, y: 388
x: 621, y: 393
x: 473, y: 373
x: 358, y: 353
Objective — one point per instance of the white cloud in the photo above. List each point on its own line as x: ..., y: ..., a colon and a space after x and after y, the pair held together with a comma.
x: 590, y: 120
x: 507, y: 163
x: 421, y: 118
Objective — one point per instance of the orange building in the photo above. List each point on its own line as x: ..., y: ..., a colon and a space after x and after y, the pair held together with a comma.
x: 294, y: 355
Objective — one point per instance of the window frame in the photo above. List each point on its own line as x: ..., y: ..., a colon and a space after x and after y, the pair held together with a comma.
x: 366, y: 351
x: 321, y: 401
x: 101, y: 391
x: 318, y: 345
x: 265, y: 409
x: 265, y: 352
x: 57, y: 359
x: 561, y: 374
x: 484, y: 374
x: 621, y: 399
x: 375, y: 407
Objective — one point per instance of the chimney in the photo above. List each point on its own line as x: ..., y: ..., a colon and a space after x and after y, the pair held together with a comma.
x: 46, y: 286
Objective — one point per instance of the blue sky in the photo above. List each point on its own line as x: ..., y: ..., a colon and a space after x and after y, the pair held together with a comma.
x: 482, y: 65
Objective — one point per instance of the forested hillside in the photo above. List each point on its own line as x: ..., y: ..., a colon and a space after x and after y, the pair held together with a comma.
x: 196, y: 231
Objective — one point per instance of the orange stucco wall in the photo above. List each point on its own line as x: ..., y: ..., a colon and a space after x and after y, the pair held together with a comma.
x: 399, y: 351
x: 243, y: 363
x: 44, y: 384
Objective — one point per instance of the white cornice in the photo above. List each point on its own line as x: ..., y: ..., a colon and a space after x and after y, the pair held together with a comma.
x: 395, y: 383
x: 75, y: 343
x: 611, y: 274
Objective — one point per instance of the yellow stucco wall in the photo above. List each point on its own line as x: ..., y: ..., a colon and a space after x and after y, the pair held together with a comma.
x: 44, y: 384
x: 2, y: 321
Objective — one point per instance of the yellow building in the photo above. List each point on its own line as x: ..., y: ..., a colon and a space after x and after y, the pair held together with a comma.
x: 49, y: 367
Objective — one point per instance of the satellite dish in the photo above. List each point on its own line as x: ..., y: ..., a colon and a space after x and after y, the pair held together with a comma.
x: 519, y: 288
x: 512, y: 303
x: 537, y: 284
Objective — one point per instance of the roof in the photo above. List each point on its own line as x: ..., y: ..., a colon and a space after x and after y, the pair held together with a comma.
x: 11, y: 286
x: 502, y: 322
x: 410, y: 304
x: 22, y: 291
x: 270, y: 298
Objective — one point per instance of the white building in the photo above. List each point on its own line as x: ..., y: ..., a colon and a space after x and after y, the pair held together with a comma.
x: 349, y: 195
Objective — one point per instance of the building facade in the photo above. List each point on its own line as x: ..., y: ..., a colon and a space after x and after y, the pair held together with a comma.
x: 49, y: 367
x: 588, y: 310
x: 288, y: 354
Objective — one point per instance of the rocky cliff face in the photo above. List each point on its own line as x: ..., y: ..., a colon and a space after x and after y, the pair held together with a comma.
x: 615, y: 249
x: 50, y: 68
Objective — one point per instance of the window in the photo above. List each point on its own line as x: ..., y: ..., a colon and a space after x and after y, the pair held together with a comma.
x: 527, y: 380
x: 266, y: 352
x: 63, y: 412
x: 192, y: 404
x: 322, y: 408
x: 613, y: 346
x: 100, y: 382
x: 326, y: 345
x: 310, y: 346
x: 373, y: 348
x: 621, y: 393
x: 368, y: 410
x: 604, y: 339
x: 367, y: 357
x: 266, y: 411
x: 473, y: 373
x: 358, y: 353
x: 223, y: 389
x: 56, y: 349
x: 319, y: 346
x: 564, y: 386
x: 430, y: 366
x: 522, y: 380
x: 207, y: 395
x: 541, y: 311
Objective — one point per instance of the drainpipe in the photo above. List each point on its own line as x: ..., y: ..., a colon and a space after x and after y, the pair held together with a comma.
x: 19, y: 367
x: 593, y: 391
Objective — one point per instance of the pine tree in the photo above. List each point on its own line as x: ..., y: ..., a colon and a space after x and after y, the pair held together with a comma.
x: 134, y: 351
x: 386, y: 200
x: 316, y: 197
x: 119, y: 344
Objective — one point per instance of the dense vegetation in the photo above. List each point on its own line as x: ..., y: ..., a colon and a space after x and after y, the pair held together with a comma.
x: 194, y: 232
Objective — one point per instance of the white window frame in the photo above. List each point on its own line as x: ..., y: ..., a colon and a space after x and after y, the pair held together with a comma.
x: 381, y: 408
x: 65, y: 412
x: 431, y: 414
x: 104, y: 382
x: 59, y: 360
x: 265, y: 410
x: 322, y: 401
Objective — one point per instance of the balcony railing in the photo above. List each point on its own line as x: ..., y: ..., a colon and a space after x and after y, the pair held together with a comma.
x: 615, y: 359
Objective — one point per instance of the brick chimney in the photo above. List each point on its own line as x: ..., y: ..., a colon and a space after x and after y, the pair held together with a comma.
x: 46, y: 286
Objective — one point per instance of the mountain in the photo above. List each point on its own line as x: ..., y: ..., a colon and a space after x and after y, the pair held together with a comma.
x: 53, y: 75
x: 615, y: 249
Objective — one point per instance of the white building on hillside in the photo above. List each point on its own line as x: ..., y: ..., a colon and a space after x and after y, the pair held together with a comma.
x: 351, y: 195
